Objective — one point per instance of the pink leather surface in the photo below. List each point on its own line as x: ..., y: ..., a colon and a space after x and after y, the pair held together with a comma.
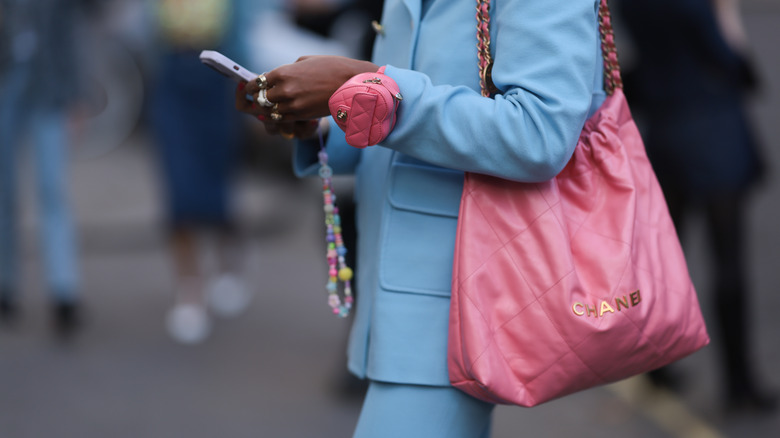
x: 358, y: 130
x: 530, y: 257
x: 368, y: 108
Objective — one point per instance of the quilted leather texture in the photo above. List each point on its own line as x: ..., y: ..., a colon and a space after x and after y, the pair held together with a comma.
x: 361, y: 112
x: 571, y: 283
x: 364, y: 108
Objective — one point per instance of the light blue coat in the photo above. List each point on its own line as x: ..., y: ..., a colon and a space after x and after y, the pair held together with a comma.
x: 548, y: 66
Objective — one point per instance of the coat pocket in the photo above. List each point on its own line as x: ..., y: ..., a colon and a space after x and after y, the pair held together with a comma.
x: 419, y: 237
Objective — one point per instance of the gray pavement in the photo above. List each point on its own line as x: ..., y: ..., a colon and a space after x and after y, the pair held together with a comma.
x: 277, y: 370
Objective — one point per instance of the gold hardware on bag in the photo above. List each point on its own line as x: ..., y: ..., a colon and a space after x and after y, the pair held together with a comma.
x: 373, y: 81
x: 341, y: 114
x: 631, y: 300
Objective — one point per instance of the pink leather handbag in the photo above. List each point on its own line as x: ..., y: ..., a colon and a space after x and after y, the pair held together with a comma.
x: 575, y: 282
x: 365, y: 106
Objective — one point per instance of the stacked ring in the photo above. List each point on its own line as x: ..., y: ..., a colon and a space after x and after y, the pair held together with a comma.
x: 261, y: 81
x: 262, y: 99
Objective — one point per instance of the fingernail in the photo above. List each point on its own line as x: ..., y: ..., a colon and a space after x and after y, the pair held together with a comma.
x: 241, y: 85
x: 261, y: 118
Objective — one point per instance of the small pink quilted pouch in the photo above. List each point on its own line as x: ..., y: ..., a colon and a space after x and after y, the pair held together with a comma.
x: 365, y: 106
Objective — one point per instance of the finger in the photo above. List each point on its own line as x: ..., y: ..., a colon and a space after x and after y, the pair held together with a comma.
x: 252, y: 87
x: 286, y: 130
x: 275, y: 76
x: 271, y: 128
x: 306, y: 129
x: 242, y: 103
x: 276, y: 91
x: 288, y: 113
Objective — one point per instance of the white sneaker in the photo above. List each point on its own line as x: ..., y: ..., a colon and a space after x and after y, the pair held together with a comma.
x: 228, y: 296
x: 188, y: 323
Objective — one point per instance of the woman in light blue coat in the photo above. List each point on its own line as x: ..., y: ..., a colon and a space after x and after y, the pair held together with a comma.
x: 548, y: 70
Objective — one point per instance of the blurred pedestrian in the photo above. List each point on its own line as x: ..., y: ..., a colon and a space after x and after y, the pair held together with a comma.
x: 688, y: 88
x: 39, y: 83
x: 199, y: 151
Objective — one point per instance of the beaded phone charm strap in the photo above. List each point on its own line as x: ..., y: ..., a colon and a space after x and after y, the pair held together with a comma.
x: 337, y: 266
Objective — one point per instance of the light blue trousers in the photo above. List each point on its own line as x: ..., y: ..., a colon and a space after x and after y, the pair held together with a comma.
x: 414, y: 411
x: 45, y: 129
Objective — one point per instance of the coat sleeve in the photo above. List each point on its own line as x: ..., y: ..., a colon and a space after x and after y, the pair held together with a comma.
x: 546, y: 55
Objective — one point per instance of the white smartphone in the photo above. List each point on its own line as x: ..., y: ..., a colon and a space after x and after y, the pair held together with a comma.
x: 226, y: 66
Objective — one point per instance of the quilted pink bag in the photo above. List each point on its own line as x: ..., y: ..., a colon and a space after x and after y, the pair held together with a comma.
x: 575, y: 282
x: 364, y: 108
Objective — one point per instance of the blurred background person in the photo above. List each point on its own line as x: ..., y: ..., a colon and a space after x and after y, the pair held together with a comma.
x: 345, y: 22
x: 688, y: 89
x: 39, y: 84
x: 199, y: 151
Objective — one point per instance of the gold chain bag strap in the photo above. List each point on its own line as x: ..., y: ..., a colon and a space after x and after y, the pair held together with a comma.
x: 612, y: 77
x: 571, y: 283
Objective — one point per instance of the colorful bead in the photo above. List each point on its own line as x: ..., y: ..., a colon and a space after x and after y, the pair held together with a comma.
x: 345, y: 274
x: 326, y: 172
x: 337, y: 267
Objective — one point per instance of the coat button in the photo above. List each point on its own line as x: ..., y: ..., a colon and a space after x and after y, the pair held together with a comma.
x: 378, y: 28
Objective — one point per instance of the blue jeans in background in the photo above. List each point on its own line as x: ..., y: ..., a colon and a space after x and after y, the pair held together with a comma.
x: 24, y: 122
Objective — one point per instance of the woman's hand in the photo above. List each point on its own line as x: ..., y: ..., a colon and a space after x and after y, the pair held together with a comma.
x: 303, y: 129
x: 300, y: 91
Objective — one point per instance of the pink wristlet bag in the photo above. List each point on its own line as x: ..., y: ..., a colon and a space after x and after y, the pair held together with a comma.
x: 365, y: 106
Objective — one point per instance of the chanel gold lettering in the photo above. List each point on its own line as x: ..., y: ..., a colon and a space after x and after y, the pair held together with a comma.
x: 598, y: 310
x: 605, y: 307
x: 623, y: 302
x: 636, y: 298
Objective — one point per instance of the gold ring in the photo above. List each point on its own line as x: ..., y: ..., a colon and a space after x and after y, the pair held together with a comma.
x: 276, y: 117
x: 261, y: 81
x: 263, y: 100
x: 288, y: 135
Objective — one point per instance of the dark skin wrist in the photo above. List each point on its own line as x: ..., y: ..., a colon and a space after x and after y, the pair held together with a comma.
x: 300, y: 91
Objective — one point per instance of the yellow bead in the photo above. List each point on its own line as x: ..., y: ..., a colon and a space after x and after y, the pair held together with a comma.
x: 345, y: 274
